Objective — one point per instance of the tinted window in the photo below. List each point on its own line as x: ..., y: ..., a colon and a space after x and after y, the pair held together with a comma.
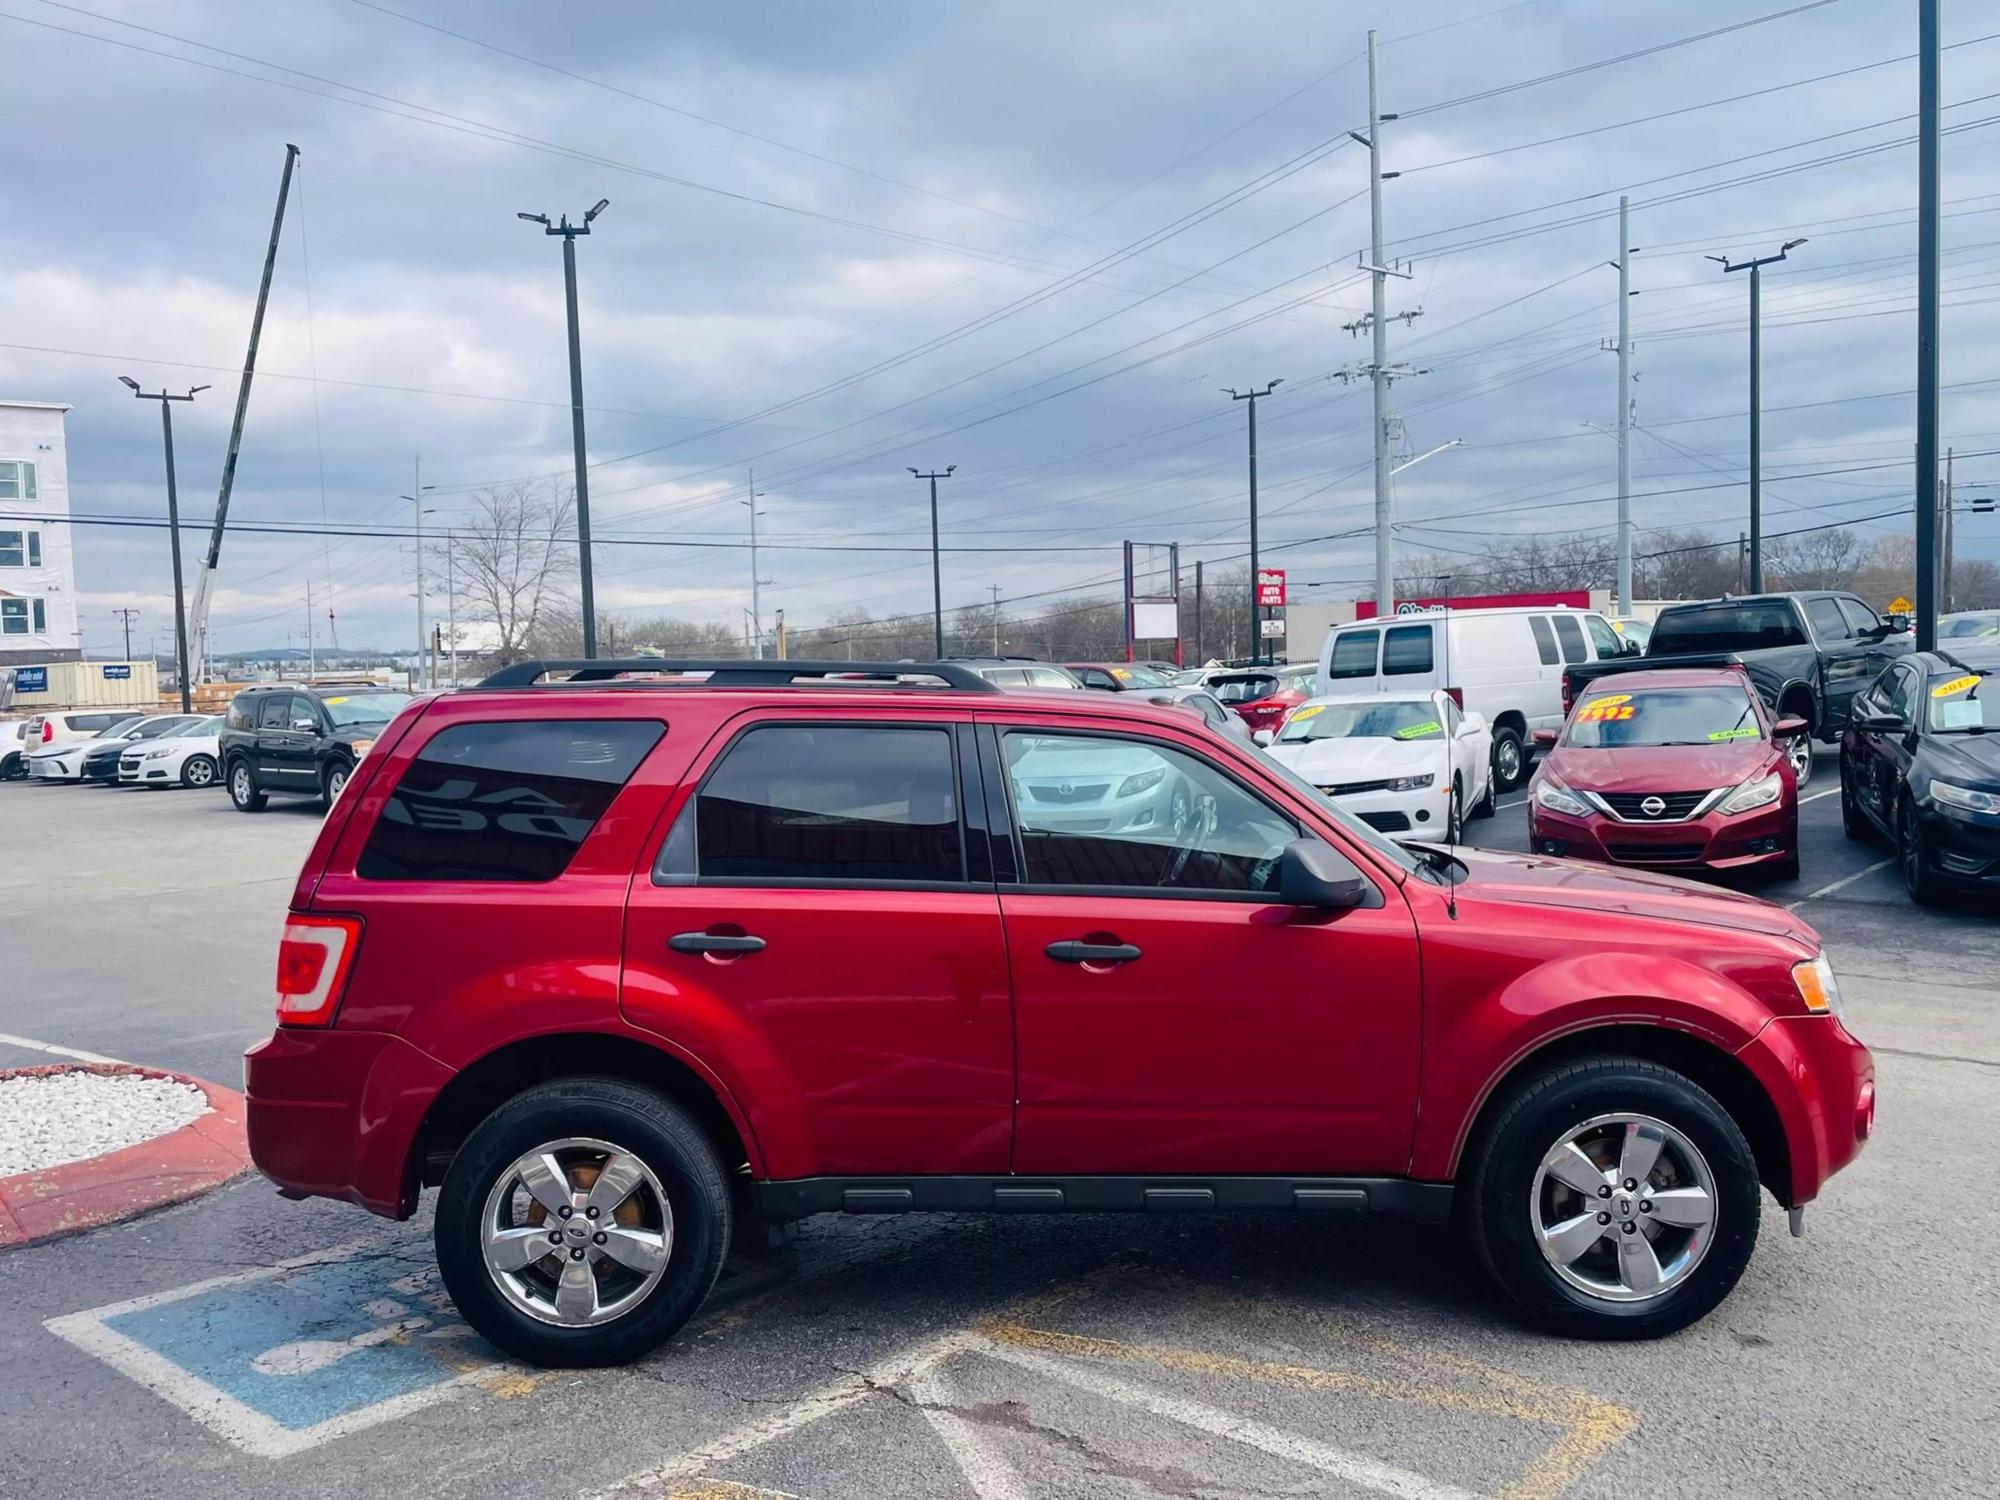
x: 273, y: 710
x: 1750, y: 625
x: 1545, y: 639
x: 242, y: 712
x: 1903, y: 695
x: 503, y: 801
x: 1828, y: 623
x: 1353, y: 654
x: 834, y: 802
x: 1098, y: 811
x: 1860, y: 616
x: 1603, y: 637
x: 1406, y: 649
x: 95, y: 723
x: 1571, y: 635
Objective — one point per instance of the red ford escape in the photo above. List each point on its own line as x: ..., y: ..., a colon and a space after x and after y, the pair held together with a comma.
x: 622, y: 962
x: 1680, y: 768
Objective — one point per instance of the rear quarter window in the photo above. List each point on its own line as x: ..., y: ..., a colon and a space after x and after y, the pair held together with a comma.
x: 1406, y: 649
x: 504, y: 802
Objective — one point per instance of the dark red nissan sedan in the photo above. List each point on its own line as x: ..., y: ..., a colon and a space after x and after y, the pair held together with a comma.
x: 1674, y: 769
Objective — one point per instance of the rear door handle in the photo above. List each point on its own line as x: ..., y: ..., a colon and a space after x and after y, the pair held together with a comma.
x: 1092, y: 953
x: 714, y: 942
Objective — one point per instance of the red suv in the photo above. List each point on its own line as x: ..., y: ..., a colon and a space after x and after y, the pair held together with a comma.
x: 625, y: 961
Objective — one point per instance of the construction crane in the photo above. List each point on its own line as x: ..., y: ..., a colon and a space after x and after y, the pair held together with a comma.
x: 204, y: 589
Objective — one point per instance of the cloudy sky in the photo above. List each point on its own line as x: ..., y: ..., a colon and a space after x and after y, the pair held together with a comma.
x: 1029, y: 239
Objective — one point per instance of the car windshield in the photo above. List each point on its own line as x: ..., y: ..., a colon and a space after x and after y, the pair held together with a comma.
x: 160, y: 728
x: 198, y: 728
x: 1664, y: 716
x: 1132, y: 675
x: 1393, y: 720
x: 1964, y: 702
x: 364, y: 708
x: 112, y: 731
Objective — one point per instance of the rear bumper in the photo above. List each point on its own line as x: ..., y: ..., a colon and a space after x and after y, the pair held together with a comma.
x: 1711, y: 842
x: 1822, y: 1082
x: 334, y: 1114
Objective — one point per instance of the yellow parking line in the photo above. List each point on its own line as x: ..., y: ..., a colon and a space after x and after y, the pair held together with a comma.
x: 724, y: 1489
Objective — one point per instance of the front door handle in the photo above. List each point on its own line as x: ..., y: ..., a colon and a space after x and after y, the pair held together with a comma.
x: 714, y: 942
x: 1092, y: 953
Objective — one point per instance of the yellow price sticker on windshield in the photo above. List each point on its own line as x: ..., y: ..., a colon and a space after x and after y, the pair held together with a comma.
x: 1418, y: 731
x: 336, y: 700
x: 1120, y: 672
x: 1307, y: 712
x: 1744, y: 732
x: 1610, y: 706
x: 1956, y: 686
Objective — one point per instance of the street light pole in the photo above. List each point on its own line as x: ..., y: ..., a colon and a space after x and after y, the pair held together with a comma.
x: 416, y: 500
x: 1256, y: 610
x: 166, y: 401
x: 1755, y: 268
x: 569, y: 232
x: 756, y: 581
x: 937, y: 574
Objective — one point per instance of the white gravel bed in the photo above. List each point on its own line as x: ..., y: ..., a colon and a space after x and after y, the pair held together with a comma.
x: 51, y: 1118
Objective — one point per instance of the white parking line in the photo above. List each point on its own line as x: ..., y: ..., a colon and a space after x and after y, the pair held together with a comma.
x: 1839, y: 885
x: 1832, y: 791
x: 988, y: 1474
x: 8, y: 1040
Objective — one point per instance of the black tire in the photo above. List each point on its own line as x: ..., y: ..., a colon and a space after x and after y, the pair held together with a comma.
x: 1786, y: 868
x: 333, y: 778
x: 1501, y: 1178
x: 243, y: 792
x: 1913, y: 859
x: 634, y: 1119
x: 1853, y: 821
x: 1510, y: 759
x: 1487, y: 805
x: 13, y: 768
x: 198, y: 771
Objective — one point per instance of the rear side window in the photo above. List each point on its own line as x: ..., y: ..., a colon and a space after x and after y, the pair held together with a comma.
x: 826, y: 802
x: 1827, y: 620
x: 1747, y: 626
x: 504, y: 801
x: 91, y: 723
x: 1545, y: 639
x: 1406, y: 649
x: 242, y: 712
x: 1571, y: 635
x: 1353, y: 654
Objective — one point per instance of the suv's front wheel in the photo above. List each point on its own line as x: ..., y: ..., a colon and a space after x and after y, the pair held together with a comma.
x: 243, y: 788
x: 582, y: 1222
x: 1614, y: 1199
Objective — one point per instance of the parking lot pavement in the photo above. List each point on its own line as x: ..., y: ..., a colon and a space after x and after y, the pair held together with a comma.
x: 275, y: 1348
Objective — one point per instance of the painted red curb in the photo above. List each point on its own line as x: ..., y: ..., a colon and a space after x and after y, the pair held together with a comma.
x: 172, y: 1168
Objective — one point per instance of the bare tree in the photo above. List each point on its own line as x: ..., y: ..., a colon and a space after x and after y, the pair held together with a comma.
x: 512, y: 560
x: 1817, y: 559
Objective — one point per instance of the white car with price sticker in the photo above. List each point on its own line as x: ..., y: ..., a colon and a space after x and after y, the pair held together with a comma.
x: 187, y: 756
x: 1411, y: 765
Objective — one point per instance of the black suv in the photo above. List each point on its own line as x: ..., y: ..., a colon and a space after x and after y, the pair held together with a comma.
x: 300, y: 741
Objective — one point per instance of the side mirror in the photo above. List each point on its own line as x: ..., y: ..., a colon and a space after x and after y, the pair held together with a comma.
x: 1880, y: 723
x: 306, y: 726
x: 1263, y: 736
x: 1317, y: 875
x: 1546, y: 737
x: 1631, y: 648
x: 1790, y: 727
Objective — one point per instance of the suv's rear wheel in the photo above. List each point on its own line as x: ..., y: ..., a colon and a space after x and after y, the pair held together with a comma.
x: 1614, y: 1199
x: 582, y: 1222
x: 243, y: 788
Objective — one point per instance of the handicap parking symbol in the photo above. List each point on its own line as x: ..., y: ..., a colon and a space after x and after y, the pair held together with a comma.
x: 286, y: 1357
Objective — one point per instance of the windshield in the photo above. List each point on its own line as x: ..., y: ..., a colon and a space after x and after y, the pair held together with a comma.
x: 1357, y: 830
x: 1962, y: 703
x: 112, y: 731
x: 198, y: 728
x: 364, y: 708
x: 1363, y: 721
x: 1664, y: 716
x: 160, y: 728
x: 1132, y: 675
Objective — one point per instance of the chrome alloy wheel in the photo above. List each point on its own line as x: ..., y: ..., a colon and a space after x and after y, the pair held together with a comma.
x: 577, y: 1232
x: 1623, y: 1207
x: 1798, y: 750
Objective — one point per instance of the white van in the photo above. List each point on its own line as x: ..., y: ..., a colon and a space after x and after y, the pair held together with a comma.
x: 1505, y: 664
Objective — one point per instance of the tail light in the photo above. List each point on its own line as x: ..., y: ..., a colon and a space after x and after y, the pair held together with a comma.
x: 313, y: 959
x: 1457, y: 695
x: 1569, y: 693
x: 48, y: 731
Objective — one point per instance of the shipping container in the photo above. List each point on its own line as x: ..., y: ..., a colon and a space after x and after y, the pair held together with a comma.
x: 80, y: 684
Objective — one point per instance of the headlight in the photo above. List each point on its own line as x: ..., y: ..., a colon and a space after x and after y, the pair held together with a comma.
x: 1141, y: 781
x: 1817, y: 986
x: 1753, y: 794
x: 1556, y: 797
x: 1951, y: 794
x: 362, y: 747
x: 160, y: 754
x: 1411, y: 783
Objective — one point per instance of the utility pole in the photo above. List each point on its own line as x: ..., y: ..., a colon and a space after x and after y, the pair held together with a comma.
x: 756, y: 581
x: 1256, y: 610
x: 416, y: 499
x: 1385, y: 505
x: 1944, y: 541
x: 127, y: 615
x: 1624, y: 407
x: 1199, y: 655
x: 1755, y: 268
x: 1927, y: 322
x: 569, y: 232
x: 451, y: 600
x: 312, y: 650
x: 173, y: 525
x: 996, y: 617
x: 937, y: 574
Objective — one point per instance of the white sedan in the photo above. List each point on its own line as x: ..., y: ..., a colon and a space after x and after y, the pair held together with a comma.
x: 1410, y: 765
x: 187, y: 756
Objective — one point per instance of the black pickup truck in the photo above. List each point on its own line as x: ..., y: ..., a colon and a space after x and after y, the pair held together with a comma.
x: 1807, y: 654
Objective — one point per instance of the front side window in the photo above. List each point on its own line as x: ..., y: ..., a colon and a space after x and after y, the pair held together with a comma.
x: 504, y: 802
x: 1603, y: 637
x: 13, y: 616
x: 1130, y: 814
x: 1571, y: 635
x: 1903, y: 695
x: 1828, y: 623
x: 1353, y: 654
x: 304, y: 714
x: 826, y: 802
x: 1406, y: 649
x: 1864, y: 620
x: 17, y: 479
x: 1664, y: 716
x: 1545, y: 639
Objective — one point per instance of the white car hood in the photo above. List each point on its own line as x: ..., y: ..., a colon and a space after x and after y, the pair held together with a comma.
x: 1337, y: 761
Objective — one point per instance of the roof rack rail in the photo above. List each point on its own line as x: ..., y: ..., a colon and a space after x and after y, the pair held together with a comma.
x: 738, y: 672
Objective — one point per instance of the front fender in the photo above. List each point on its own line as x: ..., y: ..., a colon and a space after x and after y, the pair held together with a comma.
x: 1474, y: 1042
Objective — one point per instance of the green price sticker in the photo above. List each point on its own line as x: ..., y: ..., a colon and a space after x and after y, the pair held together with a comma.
x: 1747, y: 732
x: 1418, y: 731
